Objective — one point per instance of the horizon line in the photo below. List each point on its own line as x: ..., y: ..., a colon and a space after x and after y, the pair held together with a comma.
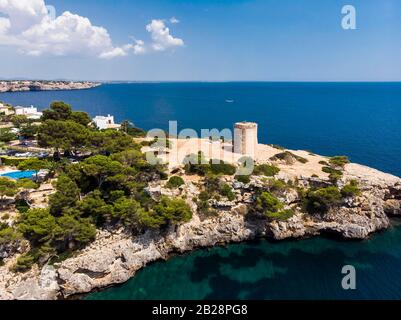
x: 205, y: 81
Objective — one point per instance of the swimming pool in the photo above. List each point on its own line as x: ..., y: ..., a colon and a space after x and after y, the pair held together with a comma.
x: 19, y: 174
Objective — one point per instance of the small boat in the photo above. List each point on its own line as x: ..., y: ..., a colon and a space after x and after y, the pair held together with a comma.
x: 229, y: 101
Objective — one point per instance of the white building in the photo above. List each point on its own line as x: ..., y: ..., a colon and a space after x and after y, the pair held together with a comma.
x: 5, y: 110
x: 30, y: 112
x: 104, y: 123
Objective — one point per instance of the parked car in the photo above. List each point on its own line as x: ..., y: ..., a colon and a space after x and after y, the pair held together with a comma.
x: 42, y: 155
x: 24, y: 155
x: 11, y: 153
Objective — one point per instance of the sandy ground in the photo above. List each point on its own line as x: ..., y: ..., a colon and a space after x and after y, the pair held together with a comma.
x: 223, y: 151
x: 39, y: 198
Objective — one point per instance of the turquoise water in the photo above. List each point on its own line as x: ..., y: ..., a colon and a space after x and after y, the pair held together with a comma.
x: 19, y: 174
x: 307, y: 269
x: 361, y: 120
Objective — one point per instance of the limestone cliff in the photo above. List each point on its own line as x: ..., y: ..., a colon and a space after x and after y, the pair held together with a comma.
x: 116, y: 255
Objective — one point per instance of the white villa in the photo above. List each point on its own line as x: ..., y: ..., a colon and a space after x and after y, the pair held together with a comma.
x: 30, y: 112
x: 104, y: 123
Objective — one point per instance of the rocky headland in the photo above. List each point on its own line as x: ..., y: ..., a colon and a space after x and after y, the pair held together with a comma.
x: 117, y: 254
x: 42, y: 85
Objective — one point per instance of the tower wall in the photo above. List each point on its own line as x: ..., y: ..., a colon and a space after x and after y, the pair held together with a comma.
x: 246, y: 138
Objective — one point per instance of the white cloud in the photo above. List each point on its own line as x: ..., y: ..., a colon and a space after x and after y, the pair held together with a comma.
x: 162, y: 39
x: 4, y: 25
x: 139, y: 47
x: 27, y: 25
x: 22, y: 14
x: 174, y: 20
x: 113, y: 53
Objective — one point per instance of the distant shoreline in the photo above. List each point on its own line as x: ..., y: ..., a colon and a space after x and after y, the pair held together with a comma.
x: 34, y: 85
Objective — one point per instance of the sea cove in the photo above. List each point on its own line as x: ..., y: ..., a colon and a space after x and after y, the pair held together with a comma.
x: 304, y: 269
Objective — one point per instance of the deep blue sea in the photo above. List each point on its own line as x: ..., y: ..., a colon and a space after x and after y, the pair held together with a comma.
x: 361, y: 120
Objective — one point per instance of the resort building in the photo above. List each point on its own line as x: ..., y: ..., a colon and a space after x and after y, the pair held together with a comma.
x: 104, y: 123
x: 30, y: 112
x: 246, y: 138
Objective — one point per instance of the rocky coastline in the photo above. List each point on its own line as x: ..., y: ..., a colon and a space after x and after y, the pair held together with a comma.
x: 115, y: 255
x: 42, y: 85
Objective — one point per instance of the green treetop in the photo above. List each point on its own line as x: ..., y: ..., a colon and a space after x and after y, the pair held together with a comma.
x: 33, y: 164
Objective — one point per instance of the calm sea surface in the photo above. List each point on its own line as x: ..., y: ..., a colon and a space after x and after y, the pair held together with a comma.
x: 361, y: 120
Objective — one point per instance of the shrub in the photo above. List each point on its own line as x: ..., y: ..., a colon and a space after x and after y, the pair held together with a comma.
x: 196, y: 164
x: 173, y: 211
x: 222, y: 168
x: 204, y: 209
x: 22, y: 206
x: 302, y: 160
x: 334, y: 174
x: 227, y: 191
x: 351, y: 189
x: 204, y: 196
x: 324, y: 163
x: 243, y: 179
x: 276, y: 186
x: 321, y: 200
x: 339, y: 161
x: 212, y: 185
x: 175, y: 182
x: 12, y: 162
x: 5, y: 217
x: 266, y: 170
x: 8, y: 234
x: 24, y: 262
x: 6, y: 135
x: 281, y: 215
x: 288, y: 157
x: 267, y: 203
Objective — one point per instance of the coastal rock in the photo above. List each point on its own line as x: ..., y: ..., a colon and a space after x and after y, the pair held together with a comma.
x: 115, y: 256
x: 33, y: 285
x: 9, y: 249
x: 28, y: 85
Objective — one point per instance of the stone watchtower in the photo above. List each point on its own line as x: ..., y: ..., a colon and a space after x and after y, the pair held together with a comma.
x: 246, y: 138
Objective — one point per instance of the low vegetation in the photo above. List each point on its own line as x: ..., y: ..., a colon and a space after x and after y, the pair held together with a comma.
x: 321, y: 200
x: 351, y: 189
x: 277, y: 187
x: 266, y: 170
x: 175, y: 182
x: 198, y: 165
x: 8, y: 234
x: 271, y: 207
x: 245, y: 179
x: 227, y: 192
x: 339, y: 161
x: 334, y: 174
x: 105, y: 187
x: 288, y: 157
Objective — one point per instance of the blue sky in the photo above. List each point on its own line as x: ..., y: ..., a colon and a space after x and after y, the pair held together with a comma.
x: 260, y: 40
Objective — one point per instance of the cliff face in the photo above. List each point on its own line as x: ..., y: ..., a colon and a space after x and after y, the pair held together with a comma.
x: 115, y: 256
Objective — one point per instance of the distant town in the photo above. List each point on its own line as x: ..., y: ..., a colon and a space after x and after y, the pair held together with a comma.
x: 44, y: 85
